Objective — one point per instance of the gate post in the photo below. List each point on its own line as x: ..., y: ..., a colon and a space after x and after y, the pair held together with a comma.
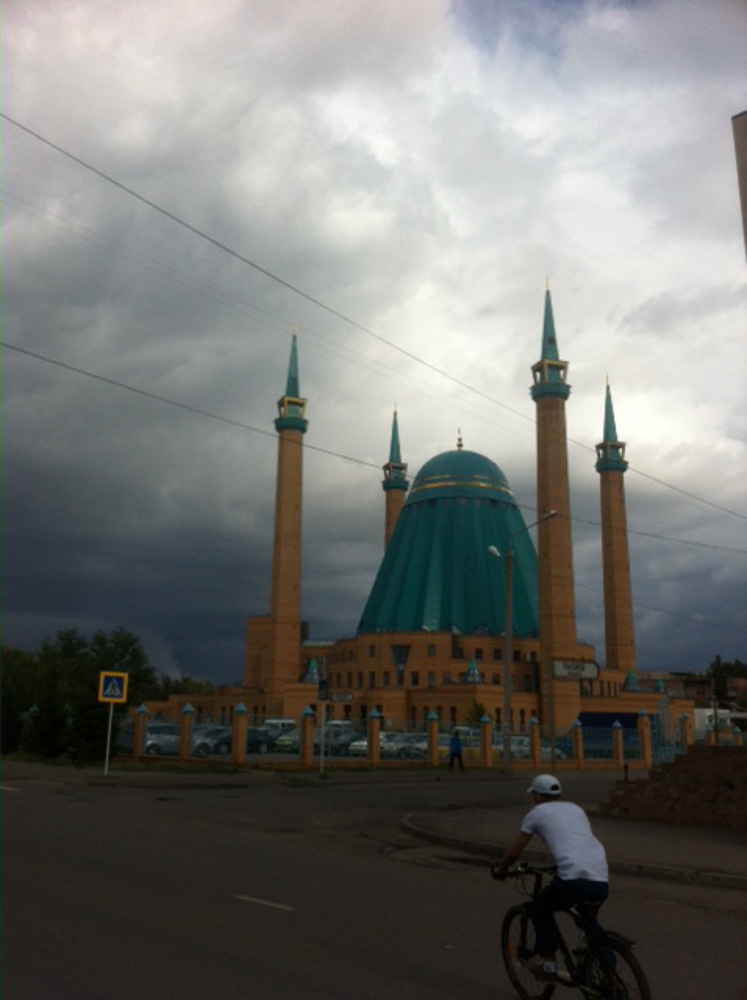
x: 238, y: 734
x: 486, y: 740
x: 644, y: 734
x: 578, y: 743
x: 535, y: 744
x: 185, y: 734
x: 141, y: 728
x: 618, y: 752
x: 307, y: 737
x: 433, y: 739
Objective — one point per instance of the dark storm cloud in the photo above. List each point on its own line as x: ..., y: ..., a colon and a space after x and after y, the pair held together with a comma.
x: 375, y: 159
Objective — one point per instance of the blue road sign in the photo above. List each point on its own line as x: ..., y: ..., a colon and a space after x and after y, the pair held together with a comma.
x: 113, y: 686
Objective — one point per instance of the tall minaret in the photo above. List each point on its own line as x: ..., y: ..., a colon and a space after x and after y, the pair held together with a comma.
x: 395, y: 483
x: 285, y: 611
x: 557, y: 608
x: 619, y: 637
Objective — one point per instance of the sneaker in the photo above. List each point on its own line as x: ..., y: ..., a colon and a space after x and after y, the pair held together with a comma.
x: 545, y: 969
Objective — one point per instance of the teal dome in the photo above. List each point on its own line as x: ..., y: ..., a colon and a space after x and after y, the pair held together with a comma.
x: 460, y: 474
x: 437, y: 573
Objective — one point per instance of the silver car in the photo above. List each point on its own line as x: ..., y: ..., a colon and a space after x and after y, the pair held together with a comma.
x: 162, y: 738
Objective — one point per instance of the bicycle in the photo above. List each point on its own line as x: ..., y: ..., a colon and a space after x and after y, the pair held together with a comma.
x: 602, y: 965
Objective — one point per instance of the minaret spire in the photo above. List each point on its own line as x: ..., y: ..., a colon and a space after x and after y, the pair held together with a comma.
x: 619, y: 636
x: 395, y: 482
x: 284, y: 662
x: 557, y: 605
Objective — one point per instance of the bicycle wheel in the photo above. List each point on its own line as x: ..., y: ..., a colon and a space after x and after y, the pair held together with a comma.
x: 517, y: 947
x: 614, y: 973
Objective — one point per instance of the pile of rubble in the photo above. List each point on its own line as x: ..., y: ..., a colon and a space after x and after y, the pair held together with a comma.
x: 707, y: 786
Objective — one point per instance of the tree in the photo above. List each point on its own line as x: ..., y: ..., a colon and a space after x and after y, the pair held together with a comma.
x: 61, y: 680
x: 18, y: 694
x: 476, y: 713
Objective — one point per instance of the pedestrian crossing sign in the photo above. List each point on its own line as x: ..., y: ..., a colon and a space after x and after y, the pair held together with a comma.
x: 113, y: 686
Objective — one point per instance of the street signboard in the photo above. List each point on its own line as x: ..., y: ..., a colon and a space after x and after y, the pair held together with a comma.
x: 113, y: 686
x: 576, y: 670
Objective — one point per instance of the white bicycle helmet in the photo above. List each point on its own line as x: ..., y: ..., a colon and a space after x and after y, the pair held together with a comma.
x: 545, y: 784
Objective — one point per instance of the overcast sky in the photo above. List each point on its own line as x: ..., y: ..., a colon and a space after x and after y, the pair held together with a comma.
x: 413, y: 173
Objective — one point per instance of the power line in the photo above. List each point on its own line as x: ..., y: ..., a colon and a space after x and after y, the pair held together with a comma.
x: 174, y: 402
x: 322, y: 305
x: 324, y: 451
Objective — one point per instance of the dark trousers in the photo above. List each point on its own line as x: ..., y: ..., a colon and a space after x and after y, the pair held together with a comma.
x: 561, y: 895
x: 458, y: 758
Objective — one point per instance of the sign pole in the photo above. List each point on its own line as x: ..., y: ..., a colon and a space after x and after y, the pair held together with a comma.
x: 109, y: 737
x: 112, y: 689
x: 323, y: 695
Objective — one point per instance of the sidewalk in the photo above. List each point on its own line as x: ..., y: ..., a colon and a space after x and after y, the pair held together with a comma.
x: 654, y: 850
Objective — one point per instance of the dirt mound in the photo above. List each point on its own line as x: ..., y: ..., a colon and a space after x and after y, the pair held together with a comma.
x: 707, y: 786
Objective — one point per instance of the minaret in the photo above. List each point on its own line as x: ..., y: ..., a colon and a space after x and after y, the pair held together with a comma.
x: 395, y: 483
x: 619, y: 637
x: 557, y: 608
x: 285, y: 611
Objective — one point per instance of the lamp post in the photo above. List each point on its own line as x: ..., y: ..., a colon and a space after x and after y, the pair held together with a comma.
x: 508, y: 637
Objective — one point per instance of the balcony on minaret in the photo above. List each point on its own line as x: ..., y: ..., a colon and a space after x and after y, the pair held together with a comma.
x: 611, y: 456
x: 550, y: 378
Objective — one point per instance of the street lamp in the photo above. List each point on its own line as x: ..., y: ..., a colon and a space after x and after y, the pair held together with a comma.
x: 508, y: 643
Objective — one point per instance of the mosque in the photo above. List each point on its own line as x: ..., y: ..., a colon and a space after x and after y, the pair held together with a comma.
x: 458, y: 563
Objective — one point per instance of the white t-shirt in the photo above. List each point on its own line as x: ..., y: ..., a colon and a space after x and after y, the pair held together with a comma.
x: 566, y: 830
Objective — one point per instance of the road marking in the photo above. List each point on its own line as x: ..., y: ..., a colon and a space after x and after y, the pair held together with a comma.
x: 8, y: 788
x: 267, y: 902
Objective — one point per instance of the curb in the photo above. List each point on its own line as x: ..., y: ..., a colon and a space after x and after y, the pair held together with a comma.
x: 672, y: 873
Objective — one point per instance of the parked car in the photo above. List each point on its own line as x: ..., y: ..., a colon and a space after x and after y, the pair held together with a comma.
x: 288, y: 742
x: 215, y: 740
x: 259, y: 741
x: 162, y: 738
x: 337, y: 740
x: 359, y: 747
x: 404, y: 745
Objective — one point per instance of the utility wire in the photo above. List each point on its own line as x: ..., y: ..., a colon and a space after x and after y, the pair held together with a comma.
x: 311, y: 447
x: 321, y: 305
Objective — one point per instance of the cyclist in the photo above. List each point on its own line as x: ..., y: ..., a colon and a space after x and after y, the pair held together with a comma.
x: 581, y: 863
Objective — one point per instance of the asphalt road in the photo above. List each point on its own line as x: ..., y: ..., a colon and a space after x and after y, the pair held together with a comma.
x: 292, y: 887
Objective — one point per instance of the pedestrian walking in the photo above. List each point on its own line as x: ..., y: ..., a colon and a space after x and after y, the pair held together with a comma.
x: 455, y: 751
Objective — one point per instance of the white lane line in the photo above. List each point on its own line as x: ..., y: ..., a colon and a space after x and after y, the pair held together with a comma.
x: 8, y: 788
x: 267, y: 902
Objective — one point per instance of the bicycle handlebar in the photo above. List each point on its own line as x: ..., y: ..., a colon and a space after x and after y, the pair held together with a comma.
x: 521, y: 869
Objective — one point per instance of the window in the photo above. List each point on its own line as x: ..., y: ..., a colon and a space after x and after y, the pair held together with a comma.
x: 496, y: 678
x: 459, y: 653
x: 371, y: 679
x: 372, y: 650
x: 386, y: 679
x: 431, y: 679
x: 431, y: 649
x: 446, y: 679
x: 414, y: 679
x: 497, y: 654
x: 348, y: 680
x: 478, y: 654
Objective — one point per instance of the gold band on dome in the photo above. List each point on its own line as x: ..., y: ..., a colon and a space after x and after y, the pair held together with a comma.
x: 470, y: 484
